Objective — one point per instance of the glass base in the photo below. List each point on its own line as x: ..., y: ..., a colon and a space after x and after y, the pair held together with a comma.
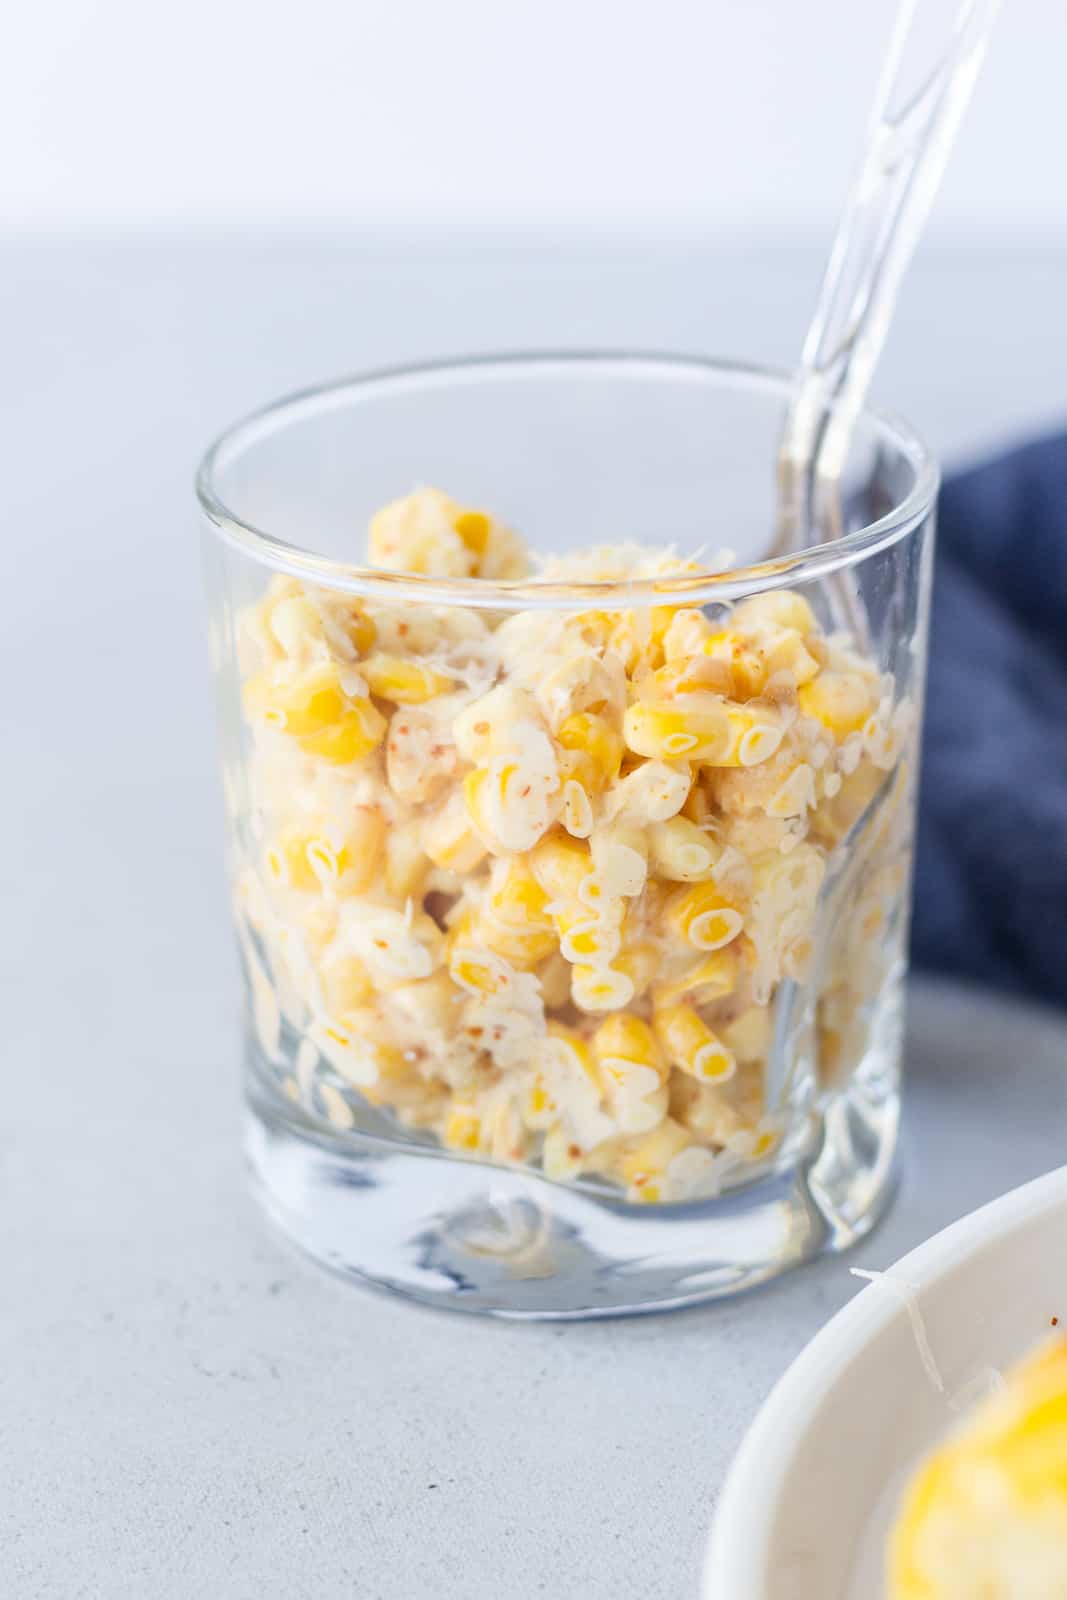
x: 505, y: 1242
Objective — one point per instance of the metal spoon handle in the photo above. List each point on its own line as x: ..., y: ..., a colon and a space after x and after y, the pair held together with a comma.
x: 909, y: 138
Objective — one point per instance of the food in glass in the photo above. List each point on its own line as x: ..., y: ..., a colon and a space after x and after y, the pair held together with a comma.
x: 533, y: 882
x: 571, y: 859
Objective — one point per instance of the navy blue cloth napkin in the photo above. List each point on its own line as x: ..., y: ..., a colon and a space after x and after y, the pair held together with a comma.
x: 991, y: 872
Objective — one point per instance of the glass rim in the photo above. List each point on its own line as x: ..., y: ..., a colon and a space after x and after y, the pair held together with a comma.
x: 697, y: 588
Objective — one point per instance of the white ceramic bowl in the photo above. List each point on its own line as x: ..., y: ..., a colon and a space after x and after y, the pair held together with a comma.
x: 808, y: 1503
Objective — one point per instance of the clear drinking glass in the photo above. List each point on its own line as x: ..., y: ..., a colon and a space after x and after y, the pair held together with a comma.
x: 572, y: 907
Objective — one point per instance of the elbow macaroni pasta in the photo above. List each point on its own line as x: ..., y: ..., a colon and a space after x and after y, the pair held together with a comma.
x: 533, y: 883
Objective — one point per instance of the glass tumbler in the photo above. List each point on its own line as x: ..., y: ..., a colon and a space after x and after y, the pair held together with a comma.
x: 569, y: 828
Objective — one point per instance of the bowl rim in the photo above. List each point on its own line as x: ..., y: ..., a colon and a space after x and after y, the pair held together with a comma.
x: 736, y: 1558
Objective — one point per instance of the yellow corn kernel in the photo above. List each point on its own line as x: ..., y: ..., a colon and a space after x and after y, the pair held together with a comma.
x: 563, y: 867
x: 749, y: 671
x: 462, y: 1129
x: 539, y: 1109
x: 776, y: 608
x: 703, y: 916
x: 593, y: 627
x: 515, y: 896
x: 790, y: 882
x: 577, y: 766
x: 471, y: 965
x: 333, y: 619
x: 301, y: 705
x: 696, y: 674
x: 686, y: 635
x: 416, y: 534
x: 641, y: 1161
x: 505, y: 556
x: 639, y: 962
x: 577, y: 811
x: 840, y: 812
x: 479, y: 788
x: 522, y: 948
x: 508, y: 805
x: 346, y: 985
x: 365, y: 836
x: 294, y: 622
x: 483, y: 728
x: 475, y: 798
x: 636, y: 1098
x: 661, y: 617
x: 287, y: 861
x: 681, y: 851
x: 514, y: 919
x: 743, y: 657
x: 624, y: 1037
x: 329, y: 865
x: 709, y: 980
x: 406, y: 863
x: 539, y: 1102
x: 717, y: 975
x: 505, y: 1138
x: 620, y: 860
x: 405, y: 683
x: 398, y: 946
x: 753, y: 1144
x: 427, y: 1003
x: 586, y: 733
x: 600, y: 988
x: 754, y: 735
x: 449, y: 839
x: 312, y: 861
x: 473, y: 528
x: 636, y: 637
x: 787, y: 652
x: 562, y: 1158
x: 577, y: 1050
x: 632, y: 1072
x: 359, y: 730
x: 651, y: 792
x: 254, y: 638
x: 692, y: 1046
x: 695, y: 727
x: 350, y: 1045
x: 841, y: 701
x: 361, y: 630
x: 587, y: 937
x: 460, y: 924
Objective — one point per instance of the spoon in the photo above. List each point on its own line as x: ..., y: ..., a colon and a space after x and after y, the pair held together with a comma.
x: 910, y: 133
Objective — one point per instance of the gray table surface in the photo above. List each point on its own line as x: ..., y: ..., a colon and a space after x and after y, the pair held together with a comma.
x: 186, y: 1407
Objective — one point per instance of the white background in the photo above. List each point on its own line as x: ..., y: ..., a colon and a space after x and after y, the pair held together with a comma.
x: 662, y: 117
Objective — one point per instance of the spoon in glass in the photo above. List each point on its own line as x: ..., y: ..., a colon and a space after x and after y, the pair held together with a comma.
x: 910, y: 132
